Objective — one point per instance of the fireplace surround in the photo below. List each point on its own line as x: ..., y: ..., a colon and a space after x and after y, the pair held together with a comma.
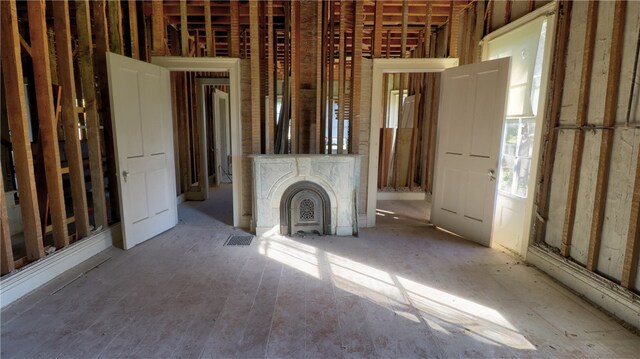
x: 305, y: 193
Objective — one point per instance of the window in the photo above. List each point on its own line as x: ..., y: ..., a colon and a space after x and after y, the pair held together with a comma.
x: 517, y: 149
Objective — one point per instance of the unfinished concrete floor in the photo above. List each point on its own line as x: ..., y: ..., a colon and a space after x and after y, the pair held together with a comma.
x: 402, y: 290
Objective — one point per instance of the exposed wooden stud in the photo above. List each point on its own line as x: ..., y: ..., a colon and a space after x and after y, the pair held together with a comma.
x: 341, y: 74
x: 388, y: 45
x: 208, y: 30
x: 133, y: 29
x: 507, y: 12
x: 114, y: 16
x: 356, y: 77
x: 6, y: 251
x: 48, y: 124
x: 631, y: 253
x: 581, y: 120
x: 479, y: 28
x: 552, y: 112
x: 532, y: 5
x: 454, y: 21
x: 403, y: 35
x: 101, y: 41
x: 184, y: 30
x: 66, y: 79
x: 256, y: 76
x: 295, y: 76
x: 427, y: 30
x: 606, y: 146
x: 17, y: 118
x: 272, y: 73
x: 416, y: 117
x: 157, y: 28
x: 234, y: 33
x: 85, y: 63
x: 377, y: 29
x: 331, y: 69
x: 464, y: 39
x: 488, y: 18
x: 24, y: 45
x: 320, y: 72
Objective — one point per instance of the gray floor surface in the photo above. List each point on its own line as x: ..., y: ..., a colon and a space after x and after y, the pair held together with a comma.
x: 401, y: 290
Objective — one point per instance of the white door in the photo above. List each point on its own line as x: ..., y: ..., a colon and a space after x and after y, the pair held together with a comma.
x: 143, y: 136
x: 223, y: 136
x: 472, y: 108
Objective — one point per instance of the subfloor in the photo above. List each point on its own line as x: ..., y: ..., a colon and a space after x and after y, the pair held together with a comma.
x: 401, y: 290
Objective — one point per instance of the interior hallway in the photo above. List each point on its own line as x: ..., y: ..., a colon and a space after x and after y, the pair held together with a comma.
x: 401, y: 290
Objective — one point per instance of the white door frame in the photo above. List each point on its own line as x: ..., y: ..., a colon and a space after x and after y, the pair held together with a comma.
x: 218, y: 64
x: 390, y: 66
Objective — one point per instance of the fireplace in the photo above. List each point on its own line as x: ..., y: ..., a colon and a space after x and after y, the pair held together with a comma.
x: 314, y: 194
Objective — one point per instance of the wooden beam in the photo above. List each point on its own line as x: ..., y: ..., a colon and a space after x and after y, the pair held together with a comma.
x: 532, y: 5
x: 85, y: 63
x: 479, y: 28
x: 454, y: 21
x: 377, y: 30
x: 552, y: 112
x: 507, y: 12
x: 272, y: 73
x: 133, y: 29
x: 114, y: 16
x: 207, y: 27
x: 403, y: 35
x: 488, y: 19
x: 295, y: 77
x: 464, y: 37
x: 342, y: 74
x: 427, y: 30
x: 321, y: 29
x: 6, y: 250
x: 46, y: 118
x: 356, y: 77
x: 416, y: 117
x: 184, y: 30
x: 606, y: 145
x: 581, y: 120
x: 18, y: 125
x: 234, y: 33
x: 631, y: 253
x: 331, y: 69
x: 256, y: 76
x: 66, y: 78
x: 157, y: 29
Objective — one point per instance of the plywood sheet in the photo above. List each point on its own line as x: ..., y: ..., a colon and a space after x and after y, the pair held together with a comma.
x: 403, y: 148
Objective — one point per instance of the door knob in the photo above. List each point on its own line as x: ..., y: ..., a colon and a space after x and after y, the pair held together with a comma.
x: 492, y: 175
x: 125, y: 174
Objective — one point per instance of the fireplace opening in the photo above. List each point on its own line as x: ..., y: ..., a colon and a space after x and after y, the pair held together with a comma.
x: 305, y: 208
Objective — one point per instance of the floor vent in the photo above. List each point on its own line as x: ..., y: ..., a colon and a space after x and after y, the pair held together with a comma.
x: 236, y: 240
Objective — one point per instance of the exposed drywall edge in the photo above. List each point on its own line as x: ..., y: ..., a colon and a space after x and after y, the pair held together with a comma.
x: 616, y: 300
x: 22, y: 282
x: 401, y: 196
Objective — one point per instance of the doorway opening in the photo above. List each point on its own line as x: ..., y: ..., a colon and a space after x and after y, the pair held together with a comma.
x: 381, y: 153
x: 211, y: 77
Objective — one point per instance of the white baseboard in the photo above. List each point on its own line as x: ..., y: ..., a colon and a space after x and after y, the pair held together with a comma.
x: 619, y: 301
x: 401, y: 196
x: 16, y: 285
x: 181, y: 198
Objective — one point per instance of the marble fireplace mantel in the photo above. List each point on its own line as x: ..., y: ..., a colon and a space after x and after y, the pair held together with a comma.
x: 338, y: 175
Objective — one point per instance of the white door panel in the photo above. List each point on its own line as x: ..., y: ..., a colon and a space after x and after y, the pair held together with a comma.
x: 472, y: 109
x: 142, y: 126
